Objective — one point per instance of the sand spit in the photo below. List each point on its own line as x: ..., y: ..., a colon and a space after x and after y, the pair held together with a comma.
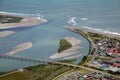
x: 75, y: 49
x: 6, y: 33
x: 95, y: 30
x: 25, y: 22
x: 20, y: 48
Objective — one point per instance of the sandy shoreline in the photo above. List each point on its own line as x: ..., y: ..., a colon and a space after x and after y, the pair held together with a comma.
x: 6, y: 33
x: 86, y: 30
x: 72, y: 51
x: 19, y: 48
x: 106, y: 33
x: 25, y: 22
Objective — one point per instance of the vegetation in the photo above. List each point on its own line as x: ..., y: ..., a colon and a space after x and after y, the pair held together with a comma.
x: 93, y: 51
x: 64, y: 45
x: 39, y: 72
x: 85, y: 60
x: 9, y: 19
x: 1, y: 73
x: 115, y: 73
x: 68, y: 61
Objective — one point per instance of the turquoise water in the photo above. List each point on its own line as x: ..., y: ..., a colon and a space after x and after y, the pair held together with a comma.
x: 103, y: 14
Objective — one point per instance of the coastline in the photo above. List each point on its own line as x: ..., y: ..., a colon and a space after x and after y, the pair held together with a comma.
x: 25, y: 22
x: 75, y: 49
x: 90, y: 60
x: 19, y: 48
x: 100, y: 31
x: 82, y: 33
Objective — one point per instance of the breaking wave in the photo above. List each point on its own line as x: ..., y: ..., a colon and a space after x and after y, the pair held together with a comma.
x: 72, y: 21
x: 84, y: 19
x: 17, y: 14
x: 101, y: 30
x: 21, y: 14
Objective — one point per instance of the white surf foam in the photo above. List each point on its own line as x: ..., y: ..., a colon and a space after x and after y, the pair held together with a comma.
x: 84, y: 19
x: 72, y: 21
x: 101, y: 30
x: 17, y: 14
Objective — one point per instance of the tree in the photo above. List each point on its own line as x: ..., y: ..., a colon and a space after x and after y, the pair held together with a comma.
x: 63, y: 45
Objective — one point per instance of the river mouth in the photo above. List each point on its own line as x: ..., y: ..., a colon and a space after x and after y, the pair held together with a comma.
x: 45, y: 38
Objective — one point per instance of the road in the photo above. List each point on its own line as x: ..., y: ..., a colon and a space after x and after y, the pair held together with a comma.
x: 61, y: 63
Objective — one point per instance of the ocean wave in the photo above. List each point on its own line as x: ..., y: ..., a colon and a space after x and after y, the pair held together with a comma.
x: 101, y: 30
x: 17, y: 14
x: 84, y: 19
x: 72, y: 21
x: 21, y: 14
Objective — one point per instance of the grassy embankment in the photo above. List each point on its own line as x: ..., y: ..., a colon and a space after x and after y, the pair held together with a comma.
x: 9, y: 19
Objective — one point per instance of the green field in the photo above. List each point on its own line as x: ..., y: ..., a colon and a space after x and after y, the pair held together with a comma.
x: 39, y: 72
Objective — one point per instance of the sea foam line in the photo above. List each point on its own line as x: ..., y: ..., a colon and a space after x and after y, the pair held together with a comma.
x: 21, y: 14
x: 101, y: 30
x: 17, y: 14
x: 72, y: 21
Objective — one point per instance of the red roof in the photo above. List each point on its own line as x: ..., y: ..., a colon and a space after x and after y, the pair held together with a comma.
x: 116, y: 65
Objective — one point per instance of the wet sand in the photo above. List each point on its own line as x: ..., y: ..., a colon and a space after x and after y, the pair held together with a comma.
x: 6, y: 33
x: 25, y: 22
x: 19, y: 48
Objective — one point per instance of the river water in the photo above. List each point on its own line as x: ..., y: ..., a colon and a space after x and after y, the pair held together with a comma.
x: 102, y: 14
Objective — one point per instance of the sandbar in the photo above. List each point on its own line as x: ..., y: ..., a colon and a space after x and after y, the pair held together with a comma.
x: 75, y: 49
x: 19, y: 48
x: 25, y: 22
x: 6, y: 33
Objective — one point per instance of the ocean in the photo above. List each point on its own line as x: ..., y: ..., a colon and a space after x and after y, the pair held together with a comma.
x: 95, y: 14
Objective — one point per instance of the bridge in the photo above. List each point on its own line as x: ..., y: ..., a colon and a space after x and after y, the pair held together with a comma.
x: 54, y: 62
x: 25, y: 59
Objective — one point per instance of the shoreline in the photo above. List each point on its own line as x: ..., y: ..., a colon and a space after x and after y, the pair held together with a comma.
x: 90, y: 58
x: 99, y: 31
x: 25, y: 22
x: 75, y: 49
x: 83, y: 34
x: 19, y: 48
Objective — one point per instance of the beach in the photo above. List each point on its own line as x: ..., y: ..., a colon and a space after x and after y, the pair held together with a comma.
x: 19, y: 48
x: 75, y: 49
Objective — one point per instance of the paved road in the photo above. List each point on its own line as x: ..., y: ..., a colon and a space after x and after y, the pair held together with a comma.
x: 61, y: 63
